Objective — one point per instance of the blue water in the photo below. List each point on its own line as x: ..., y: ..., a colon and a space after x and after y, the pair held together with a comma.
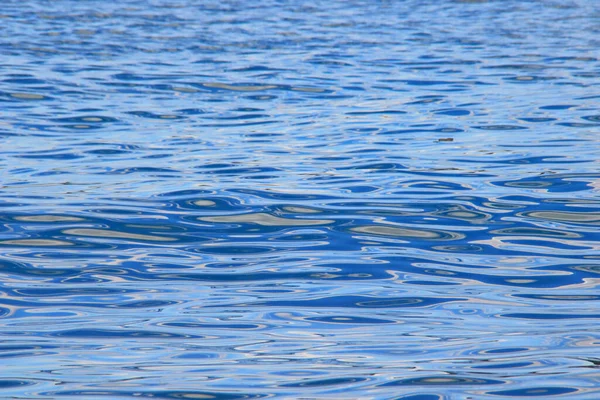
x: 300, y: 200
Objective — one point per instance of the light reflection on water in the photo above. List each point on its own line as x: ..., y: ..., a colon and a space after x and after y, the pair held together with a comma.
x: 337, y: 200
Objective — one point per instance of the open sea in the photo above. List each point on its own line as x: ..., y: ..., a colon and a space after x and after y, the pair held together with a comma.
x: 300, y: 199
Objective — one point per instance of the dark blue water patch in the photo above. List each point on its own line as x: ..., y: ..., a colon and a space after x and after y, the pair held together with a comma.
x: 379, y: 112
x: 558, y: 107
x: 11, y: 384
x: 414, y: 82
x: 535, y: 392
x: 244, y: 116
x: 52, y: 156
x: 157, y: 394
x: 196, y: 356
x: 193, y: 325
x: 509, y: 366
x: 133, y: 170
x: 593, y: 118
x: 361, y: 302
x: 420, y: 397
x: 577, y: 125
x: 119, y: 334
x: 324, y: 382
x: 506, y: 350
x: 443, y: 380
x: 103, y: 152
x: 350, y: 320
x: 537, y: 119
x: 453, y: 112
x: 500, y: 127
x: 24, y: 80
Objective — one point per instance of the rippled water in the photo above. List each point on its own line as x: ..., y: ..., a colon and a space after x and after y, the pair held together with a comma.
x: 325, y: 199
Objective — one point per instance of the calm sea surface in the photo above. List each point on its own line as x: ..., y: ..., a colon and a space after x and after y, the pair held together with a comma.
x: 300, y: 199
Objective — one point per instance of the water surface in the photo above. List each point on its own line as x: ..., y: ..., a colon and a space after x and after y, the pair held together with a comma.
x: 325, y: 199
